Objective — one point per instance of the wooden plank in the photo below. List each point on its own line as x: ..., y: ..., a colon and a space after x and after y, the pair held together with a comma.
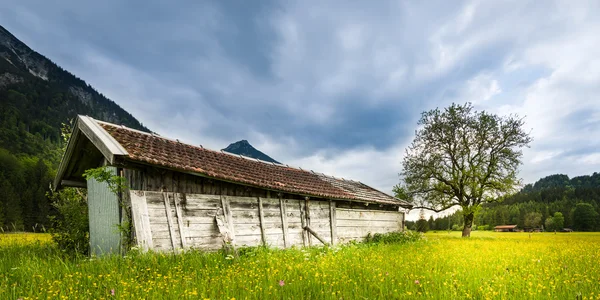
x: 343, y: 214
x: 344, y: 232
x: 249, y: 240
x: 199, y: 213
x: 307, y: 228
x: 368, y: 210
x: 169, y: 220
x: 223, y: 227
x: 64, y: 163
x: 107, y: 145
x: 182, y: 233
x: 141, y: 220
x: 262, y: 221
x: 269, y: 228
x: 284, y: 223
x: 228, y: 218
x: 202, y: 243
x: 332, y: 222
x: 367, y: 223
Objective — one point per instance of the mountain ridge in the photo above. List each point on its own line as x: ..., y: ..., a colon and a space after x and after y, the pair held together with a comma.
x: 37, y: 96
x: 244, y: 148
x: 37, y: 99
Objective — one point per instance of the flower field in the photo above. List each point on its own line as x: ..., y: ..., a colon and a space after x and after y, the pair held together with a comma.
x: 441, y: 266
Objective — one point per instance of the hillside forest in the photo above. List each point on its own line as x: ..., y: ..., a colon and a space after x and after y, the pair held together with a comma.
x: 36, y: 98
x: 552, y: 203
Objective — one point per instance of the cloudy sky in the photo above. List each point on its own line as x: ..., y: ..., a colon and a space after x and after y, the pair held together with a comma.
x: 334, y: 86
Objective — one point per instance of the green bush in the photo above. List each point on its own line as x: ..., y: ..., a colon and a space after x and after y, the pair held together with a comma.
x: 70, y: 229
x: 483, y: 227
x: 393, y: 237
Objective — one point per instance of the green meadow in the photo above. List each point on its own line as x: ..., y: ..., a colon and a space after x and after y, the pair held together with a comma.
x: 442, y: 265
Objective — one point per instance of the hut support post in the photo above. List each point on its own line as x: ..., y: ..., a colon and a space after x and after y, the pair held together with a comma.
x: 307, y: 215
x: 261, y: 217
x: 303, y: 223
x: 332, y: 222
x: 284, y: 223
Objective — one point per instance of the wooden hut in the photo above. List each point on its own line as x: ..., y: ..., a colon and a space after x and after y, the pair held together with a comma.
x: 183, y: 196
x: 506, y: 228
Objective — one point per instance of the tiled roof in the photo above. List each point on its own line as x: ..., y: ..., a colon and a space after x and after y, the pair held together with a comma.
x: 505, y: 226
x: 160, y: 151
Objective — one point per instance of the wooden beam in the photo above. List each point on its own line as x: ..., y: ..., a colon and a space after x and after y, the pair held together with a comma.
x: 307, y: 215
x: 73, y: 183
x: 332, y: 222
x: 182, y: 231
x: 64, y: 163
x: 284, y: 223
x: 261, y: 217
x: 100, y: 138
x: 228, y: 218
x: 169, y: 220
x: 303, y: 222
x: 307, y: 228
x: 141, y: 220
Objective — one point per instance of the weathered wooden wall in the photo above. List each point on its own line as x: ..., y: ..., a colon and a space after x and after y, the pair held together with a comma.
x: 355, y: 224
x: 165, y: 221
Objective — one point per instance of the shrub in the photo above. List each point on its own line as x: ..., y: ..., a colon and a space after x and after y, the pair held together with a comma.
x: 70, y: 229
x: 483, y: 227
x: 393, y: 237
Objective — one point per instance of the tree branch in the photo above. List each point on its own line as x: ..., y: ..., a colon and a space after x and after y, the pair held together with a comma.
x: 434, y: 210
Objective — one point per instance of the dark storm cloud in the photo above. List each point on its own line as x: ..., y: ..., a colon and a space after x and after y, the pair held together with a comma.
x: 332, y: 85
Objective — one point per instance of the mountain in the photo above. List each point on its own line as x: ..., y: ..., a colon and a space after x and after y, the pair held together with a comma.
x: 244, y: 148
x: 37, y: 96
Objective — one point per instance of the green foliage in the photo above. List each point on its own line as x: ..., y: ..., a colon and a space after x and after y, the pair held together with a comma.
x: 558, y: 220
x: 533, y: 220
x: 70, y: 227
x: 24, y: 181
x: 554, y: 197
x: 116, y: 183
x: 422, y: 225
x: 394, y: 237
x: 484, y: 227
x: 585, y: 218
x: 461, y: 157
x: 549, y: 224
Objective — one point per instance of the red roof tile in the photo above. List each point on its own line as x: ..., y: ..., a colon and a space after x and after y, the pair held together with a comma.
x: 156, y: 150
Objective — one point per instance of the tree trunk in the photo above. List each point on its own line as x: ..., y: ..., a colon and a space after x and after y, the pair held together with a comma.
x: 468, y: 224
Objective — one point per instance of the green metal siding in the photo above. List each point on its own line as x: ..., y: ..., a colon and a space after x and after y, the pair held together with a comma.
x: 103, y: 205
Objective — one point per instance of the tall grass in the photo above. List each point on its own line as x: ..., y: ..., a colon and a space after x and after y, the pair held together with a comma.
x: 441, y: 266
